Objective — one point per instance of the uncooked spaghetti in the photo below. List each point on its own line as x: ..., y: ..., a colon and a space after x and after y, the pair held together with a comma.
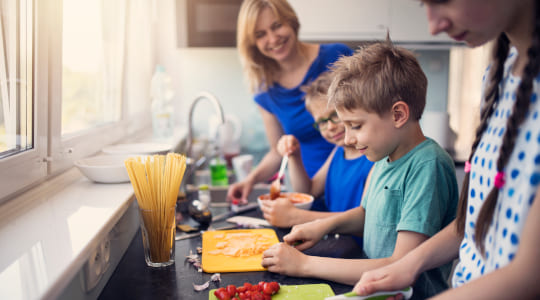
x: 156, y: 180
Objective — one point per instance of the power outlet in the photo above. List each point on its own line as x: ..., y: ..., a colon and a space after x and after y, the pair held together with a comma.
x: 96, y: 266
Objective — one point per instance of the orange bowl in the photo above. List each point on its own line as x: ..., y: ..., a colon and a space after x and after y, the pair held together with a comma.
x: 300, y: 200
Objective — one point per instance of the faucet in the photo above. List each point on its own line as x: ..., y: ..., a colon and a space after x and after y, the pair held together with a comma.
x: 217, y: 106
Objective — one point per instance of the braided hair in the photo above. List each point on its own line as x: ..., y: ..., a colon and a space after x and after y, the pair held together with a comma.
x: 519, y: 113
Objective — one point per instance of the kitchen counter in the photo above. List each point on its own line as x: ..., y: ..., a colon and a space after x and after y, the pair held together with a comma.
x: 132, y: 279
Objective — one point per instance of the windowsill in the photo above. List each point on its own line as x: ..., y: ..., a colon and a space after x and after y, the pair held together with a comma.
x: 49, y: 232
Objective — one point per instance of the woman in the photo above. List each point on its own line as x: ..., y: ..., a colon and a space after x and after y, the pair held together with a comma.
x: 277, y: 64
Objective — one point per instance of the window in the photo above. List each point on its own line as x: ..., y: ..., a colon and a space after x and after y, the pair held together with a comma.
x: 16, y: 124
x: 63, y: 81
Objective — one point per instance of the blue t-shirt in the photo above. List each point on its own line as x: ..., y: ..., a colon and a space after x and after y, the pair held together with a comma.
x: 289, y: 108
x: 345, y: 181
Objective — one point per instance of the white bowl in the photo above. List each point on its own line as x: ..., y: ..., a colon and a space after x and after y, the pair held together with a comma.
x: 138, y: 148
x: 104, y: 168
x: 300, y: 200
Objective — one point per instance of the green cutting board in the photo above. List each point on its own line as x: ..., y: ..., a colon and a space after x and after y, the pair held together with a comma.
x: 296, y: 292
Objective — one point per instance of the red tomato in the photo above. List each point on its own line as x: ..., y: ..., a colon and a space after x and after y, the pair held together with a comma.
x: 231, y: 289
x: 275, y: 286
x: 222, y: 294
x: 257, y: 296
x: 268, y: 290
x: 256, y: 288
x: 267, y: 297
x: 248, y: 294
x: 234, y: 298
x: 240, y: 289
x: 247, y: 285
x: 242, y: 296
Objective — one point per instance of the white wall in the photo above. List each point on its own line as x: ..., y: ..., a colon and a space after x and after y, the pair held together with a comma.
x: 216, y: 70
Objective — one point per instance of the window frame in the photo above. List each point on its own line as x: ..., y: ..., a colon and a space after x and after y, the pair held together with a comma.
x: 53, y: 153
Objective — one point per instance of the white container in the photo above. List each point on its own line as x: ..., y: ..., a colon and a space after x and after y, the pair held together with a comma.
x: 104, y: 168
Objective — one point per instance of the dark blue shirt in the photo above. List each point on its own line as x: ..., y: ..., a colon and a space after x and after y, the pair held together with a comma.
x: 289, y: 108
x: 345, y: 181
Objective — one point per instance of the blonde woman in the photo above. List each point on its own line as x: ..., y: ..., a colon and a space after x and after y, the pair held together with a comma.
x: 276, y: 64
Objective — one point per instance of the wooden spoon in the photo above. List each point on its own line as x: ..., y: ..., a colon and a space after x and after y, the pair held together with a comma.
x: 275, y: 187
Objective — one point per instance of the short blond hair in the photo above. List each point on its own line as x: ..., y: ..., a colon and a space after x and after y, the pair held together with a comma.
x: 376, y: 77
x: 317, y: 90
x: 260, y: 70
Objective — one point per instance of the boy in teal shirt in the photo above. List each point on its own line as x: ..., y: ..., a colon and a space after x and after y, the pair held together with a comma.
x: 379, y: 94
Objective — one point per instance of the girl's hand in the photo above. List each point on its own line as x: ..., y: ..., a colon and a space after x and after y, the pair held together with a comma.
x: 288, y: 145
x: 279, y: 212
x: 284, y: 259
x: 304, y: 236
x: 395, y: 276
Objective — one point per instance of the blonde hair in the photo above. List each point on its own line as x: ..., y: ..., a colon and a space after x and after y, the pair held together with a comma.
x: 260, y: 70
x: 317, y: 90
x: 376, y: 77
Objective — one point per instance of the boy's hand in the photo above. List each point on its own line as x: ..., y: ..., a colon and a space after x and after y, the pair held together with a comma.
x: 288, y: 145
x: 306, y: 235
x: 239, y: 191
x: 284, y: 259
x: 279, y: 212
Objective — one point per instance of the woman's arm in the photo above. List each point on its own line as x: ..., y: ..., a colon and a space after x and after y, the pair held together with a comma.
x: 518, y: 279
x: 267, y: 166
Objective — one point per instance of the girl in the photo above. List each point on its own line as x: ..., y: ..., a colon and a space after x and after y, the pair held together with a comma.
x: 495, y: 232
x: 277, y: 64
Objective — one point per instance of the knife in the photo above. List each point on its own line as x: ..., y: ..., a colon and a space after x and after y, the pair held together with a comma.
x: 407, y: 294
x: 231, y: 213
x: 190, y: 235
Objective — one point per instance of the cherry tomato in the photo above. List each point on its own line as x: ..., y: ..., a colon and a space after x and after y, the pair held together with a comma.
x: 267, y: 297
x: 231, y: 289
x: 240, y: 289
x: 275, y: 286
x: 256, y: 288
x: 247, y: 285
x: 222, y: 294
x: 268, y: 290
x: 257, y: 296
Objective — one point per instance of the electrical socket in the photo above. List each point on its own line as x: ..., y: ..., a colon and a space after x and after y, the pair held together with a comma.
x: 96, y: 266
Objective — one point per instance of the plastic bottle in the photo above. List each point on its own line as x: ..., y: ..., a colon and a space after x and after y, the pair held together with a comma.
x: 161, y: 94
x: 204, y: 195
x: 218, y: 170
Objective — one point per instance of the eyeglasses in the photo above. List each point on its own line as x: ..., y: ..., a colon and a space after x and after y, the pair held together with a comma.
x: 322, y: 124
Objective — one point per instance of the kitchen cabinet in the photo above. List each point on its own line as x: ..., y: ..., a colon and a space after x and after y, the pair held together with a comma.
x: 364, y: 20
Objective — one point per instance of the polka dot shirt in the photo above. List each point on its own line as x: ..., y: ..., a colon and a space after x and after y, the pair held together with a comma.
x: 522, y: 177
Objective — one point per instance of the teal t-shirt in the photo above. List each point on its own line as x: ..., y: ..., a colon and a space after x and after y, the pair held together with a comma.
x: 419, y: 193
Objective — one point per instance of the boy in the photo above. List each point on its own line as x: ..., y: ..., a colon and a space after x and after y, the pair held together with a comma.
x: 341, y: 178
x: 379, y: 94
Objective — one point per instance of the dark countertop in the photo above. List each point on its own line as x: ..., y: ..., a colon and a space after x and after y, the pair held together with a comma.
x: 133, y: 279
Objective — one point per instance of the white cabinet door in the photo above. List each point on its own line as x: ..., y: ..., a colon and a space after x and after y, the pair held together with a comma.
x: 342, y: 20
x: 408, y: 23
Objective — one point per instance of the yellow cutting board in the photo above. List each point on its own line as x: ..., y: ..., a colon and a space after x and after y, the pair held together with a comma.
x: 296, y: 292
x: 220, y: 263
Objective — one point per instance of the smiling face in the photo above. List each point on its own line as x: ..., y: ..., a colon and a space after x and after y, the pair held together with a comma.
x: 332, y: 132
x: 373, y: 135
x: 274, y: 38
x: 474, y: 22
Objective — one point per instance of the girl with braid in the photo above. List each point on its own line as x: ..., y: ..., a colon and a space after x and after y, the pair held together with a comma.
x: 496, y: 232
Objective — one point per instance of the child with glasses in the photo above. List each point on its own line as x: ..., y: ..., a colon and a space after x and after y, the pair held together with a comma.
x: 379, y: 94
x: 341, y: 178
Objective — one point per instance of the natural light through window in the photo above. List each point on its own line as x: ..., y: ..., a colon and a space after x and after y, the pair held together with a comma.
x: 16, y: 109
x: 91, y: 89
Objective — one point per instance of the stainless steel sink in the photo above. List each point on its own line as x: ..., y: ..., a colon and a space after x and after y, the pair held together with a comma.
x: 218, y: 194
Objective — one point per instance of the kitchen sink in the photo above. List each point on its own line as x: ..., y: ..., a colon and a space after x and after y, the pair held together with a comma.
x: 218, y: 194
